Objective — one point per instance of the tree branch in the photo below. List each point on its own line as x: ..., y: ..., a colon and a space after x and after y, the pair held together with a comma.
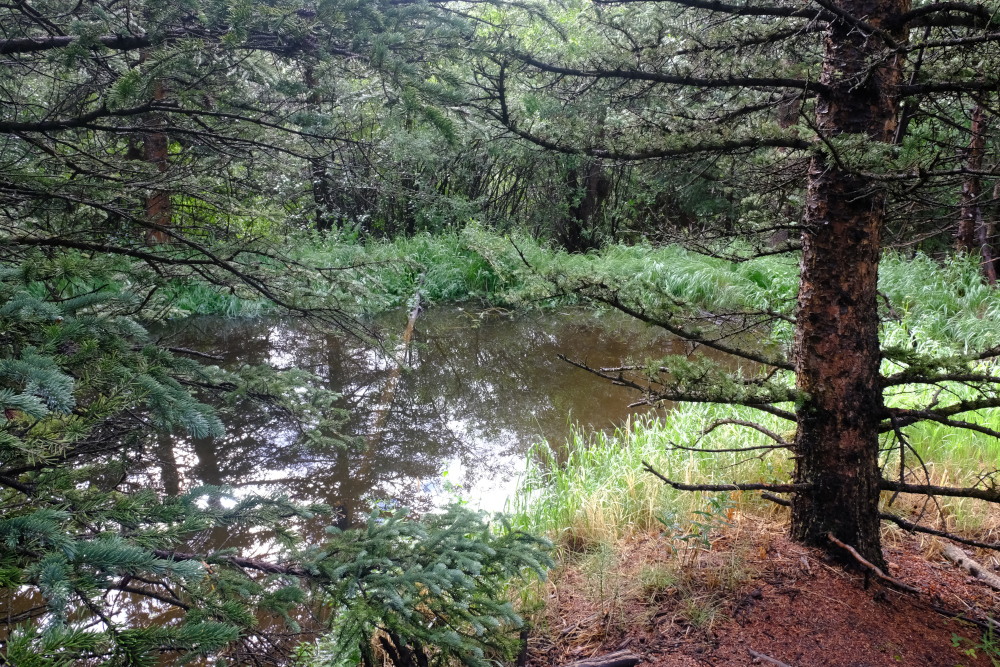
x: 917, y: 528
x: 991, y: 495
x: 777, y: 488
x: 740, y: 422
x: 35, y: 44
x: 739, y: 10
x: 914, y: 416
x: 980, y: 13
x: 238, y: 561
x: 673, y: 79
x: 687, y: 335
x: 79, y: 121
x: 872, y: 568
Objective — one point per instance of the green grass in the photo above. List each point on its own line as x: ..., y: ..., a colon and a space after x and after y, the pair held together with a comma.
x: 593, y: 490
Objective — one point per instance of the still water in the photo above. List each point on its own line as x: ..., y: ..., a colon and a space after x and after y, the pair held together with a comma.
x: 479, y: 389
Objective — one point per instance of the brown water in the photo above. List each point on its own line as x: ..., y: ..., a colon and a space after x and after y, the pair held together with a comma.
x: 481, y: 388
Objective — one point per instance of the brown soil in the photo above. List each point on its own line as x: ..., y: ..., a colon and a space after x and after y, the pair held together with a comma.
x: 755, y: 590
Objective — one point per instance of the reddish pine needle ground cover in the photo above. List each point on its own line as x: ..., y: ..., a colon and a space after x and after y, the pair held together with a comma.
x: 754, y: 589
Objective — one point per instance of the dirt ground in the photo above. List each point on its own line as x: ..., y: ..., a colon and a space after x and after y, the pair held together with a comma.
x: 755, y: 590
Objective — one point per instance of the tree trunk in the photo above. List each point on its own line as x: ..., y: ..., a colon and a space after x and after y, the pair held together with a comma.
x: 319, y: 174
x: 836, y: 339
x: 973, y: 233
x: 156, y: 151
x: 590, y: 196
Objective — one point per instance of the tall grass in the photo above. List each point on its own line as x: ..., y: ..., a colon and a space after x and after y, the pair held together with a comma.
x: 369, y: 276
x: 593, y: 489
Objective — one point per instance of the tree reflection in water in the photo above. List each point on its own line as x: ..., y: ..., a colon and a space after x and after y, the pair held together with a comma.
x: 480, y: 390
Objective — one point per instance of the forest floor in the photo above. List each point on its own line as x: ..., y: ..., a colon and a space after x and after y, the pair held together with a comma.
x: 755, y: 590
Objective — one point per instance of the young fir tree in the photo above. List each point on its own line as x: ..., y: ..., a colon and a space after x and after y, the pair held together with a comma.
x: 150, y: 144
x: 84, y: 390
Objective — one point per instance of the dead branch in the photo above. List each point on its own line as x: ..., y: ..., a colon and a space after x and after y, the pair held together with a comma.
x: 616, y: 659
x: 674, y: 445
x: 916, y: 528
x: 975, y: 570
x: 873, y: 569
x: 779, y: 488
x: 991, y: 495
x: 776, y: 500
x: 760, y: 656
x: 741, y: 422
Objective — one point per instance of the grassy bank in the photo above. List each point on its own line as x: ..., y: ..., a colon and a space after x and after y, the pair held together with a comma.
x: 592, y: 490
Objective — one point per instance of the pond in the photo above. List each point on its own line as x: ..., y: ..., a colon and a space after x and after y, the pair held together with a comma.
x: 479, y: 389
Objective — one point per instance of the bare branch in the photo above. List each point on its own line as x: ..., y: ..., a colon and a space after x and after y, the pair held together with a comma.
x: 917, y: 528
x: 739, y: 422
x: 991, y: 495
x: 778, y: 488
x: 872, y: 568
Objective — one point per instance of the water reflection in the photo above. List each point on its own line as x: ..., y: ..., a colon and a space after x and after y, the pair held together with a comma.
x: 480, y: 389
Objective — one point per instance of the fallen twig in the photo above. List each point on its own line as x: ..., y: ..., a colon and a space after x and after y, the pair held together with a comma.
x: 977, y: 571
x: 761, y: 656
x: 874, y: 570
x: 616, y: 659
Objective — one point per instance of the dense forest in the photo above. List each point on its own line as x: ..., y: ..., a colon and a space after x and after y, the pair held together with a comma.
x: 800, y: 197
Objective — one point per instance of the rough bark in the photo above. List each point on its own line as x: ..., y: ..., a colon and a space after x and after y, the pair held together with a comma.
x: 973, y: 231
x: 319, y: 174
x: 836, y: 341
x: 156, y: 151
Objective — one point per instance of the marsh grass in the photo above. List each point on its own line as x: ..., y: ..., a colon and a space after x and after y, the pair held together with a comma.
x: 593, y: 490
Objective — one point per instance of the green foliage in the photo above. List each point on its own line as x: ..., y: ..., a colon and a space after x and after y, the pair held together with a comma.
x: 436, y: 586
x: 86, y: 391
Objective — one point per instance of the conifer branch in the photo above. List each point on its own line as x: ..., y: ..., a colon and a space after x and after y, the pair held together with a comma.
x: 685, y: 334
x: 673, y: 79
x: 979, y: 14
x: 237, y: 561
x: 991, y: 495
x: 79, y: 121
x: 738, y: 10
x: 705, y: 396
x: 26, y: 489
x: 777, y: 488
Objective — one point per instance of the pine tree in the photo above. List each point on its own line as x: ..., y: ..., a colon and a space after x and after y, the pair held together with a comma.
x: 151, y: 145
x: 793, y: 112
